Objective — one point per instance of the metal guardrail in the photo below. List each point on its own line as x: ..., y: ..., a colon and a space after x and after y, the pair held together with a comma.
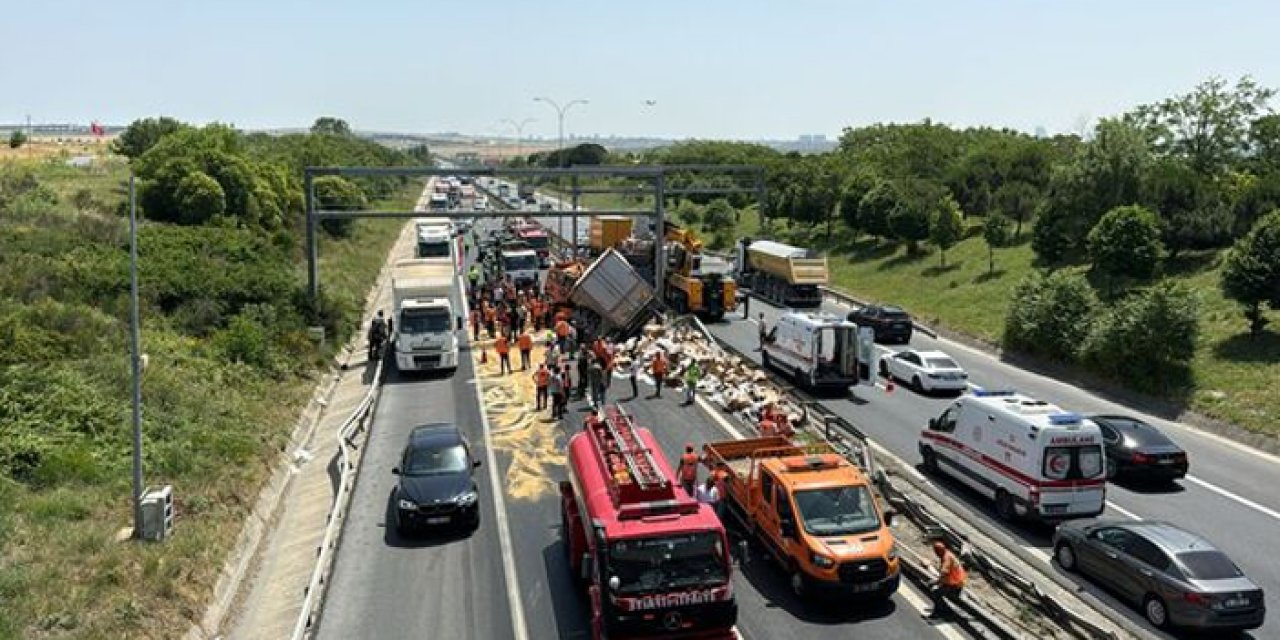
x: 324, y: 558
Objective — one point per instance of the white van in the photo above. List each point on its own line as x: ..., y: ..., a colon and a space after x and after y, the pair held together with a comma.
x: 1034, y: 459
x: 816, y: 350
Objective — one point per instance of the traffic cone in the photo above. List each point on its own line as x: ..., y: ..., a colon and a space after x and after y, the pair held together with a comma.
x: 888, y: 386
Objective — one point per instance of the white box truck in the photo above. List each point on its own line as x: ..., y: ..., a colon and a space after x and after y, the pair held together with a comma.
x: 426, y: 316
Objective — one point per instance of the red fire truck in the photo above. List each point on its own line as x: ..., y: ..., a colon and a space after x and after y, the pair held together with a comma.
x: 654, y: 562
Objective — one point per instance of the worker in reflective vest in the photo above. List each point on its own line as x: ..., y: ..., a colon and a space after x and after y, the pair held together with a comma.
x: 525, y: 344
x: 503, y: 347
x: 541, y: 378
x: 950, y: 582
x: 659, y: 370
x: 688, y: 469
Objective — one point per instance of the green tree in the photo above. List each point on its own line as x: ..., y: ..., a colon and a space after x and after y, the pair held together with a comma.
x: 199, y: 198
x: 1264, y: 142
x: 1146, y: 339
x: 995, y: 231
x: 1105, y: 174
x: 689, y: 212
x: 141, y: 135
x: 1016, y: 201
x: 1209, y: 126
x: 339, y: 194
x: 1050, y: 315
x: 17, y: 138
x: 329, y: 125
x: 917, y: 203
x: 946, y: 228
x: 1251, y: 271
x: 718, y: 216
x: 1126, y: 244
x: 1192, y: 212
x: 875, y: 207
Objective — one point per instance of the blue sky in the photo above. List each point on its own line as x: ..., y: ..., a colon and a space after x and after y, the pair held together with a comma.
x: 716, y: 69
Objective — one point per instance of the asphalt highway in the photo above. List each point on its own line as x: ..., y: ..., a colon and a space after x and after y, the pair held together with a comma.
x: 1229, y: 498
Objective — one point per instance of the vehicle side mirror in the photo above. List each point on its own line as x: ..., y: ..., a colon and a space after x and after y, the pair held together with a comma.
x: 933, y: 424
x: 475, y: 464
x: 787, y: 528
x: 889, y: 517
x: 395, y: 471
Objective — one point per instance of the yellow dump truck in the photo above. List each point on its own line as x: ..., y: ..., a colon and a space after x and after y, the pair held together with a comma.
x: 780, y: 273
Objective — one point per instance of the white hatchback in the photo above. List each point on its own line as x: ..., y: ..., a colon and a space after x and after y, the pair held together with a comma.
x: 925, y: 370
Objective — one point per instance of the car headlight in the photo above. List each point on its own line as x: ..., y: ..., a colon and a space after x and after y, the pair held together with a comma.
x: 465, y: 499
x: 408, y: 505
x: 821, y: 561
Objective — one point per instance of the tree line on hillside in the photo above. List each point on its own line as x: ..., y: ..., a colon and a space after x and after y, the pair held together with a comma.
x: 1197, y: 171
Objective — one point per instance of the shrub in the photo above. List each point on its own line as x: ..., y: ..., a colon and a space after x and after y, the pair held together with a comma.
x: 200, y: 198
x: 1126, y: 243
x: 946, y: 227
x: 1251, y: 271
x: 1148, y: 338
x: 1050, y: 315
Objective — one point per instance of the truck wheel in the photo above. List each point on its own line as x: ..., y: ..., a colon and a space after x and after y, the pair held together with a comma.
x: 915, y: 384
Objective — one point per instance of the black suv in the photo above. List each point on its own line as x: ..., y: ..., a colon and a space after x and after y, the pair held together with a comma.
x: 890, y: 324
x: 436, y: 487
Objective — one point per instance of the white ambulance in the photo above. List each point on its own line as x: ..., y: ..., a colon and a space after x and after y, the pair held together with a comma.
x: 817, y: 350
x: 1034, y: 459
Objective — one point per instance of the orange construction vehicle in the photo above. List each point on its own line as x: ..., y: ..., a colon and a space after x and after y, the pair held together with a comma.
x: 814, y: 511
x: 689, y: 288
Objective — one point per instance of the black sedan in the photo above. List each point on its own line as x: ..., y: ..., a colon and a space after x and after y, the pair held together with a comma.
x: 1175, y: 577
x: 436, y: 487
x: 890, y: 324
x: 1137, y: 450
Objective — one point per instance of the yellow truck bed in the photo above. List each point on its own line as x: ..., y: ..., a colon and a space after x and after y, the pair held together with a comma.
x: 786, y: 262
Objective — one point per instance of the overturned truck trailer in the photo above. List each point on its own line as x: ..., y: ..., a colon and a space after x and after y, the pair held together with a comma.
x: 612, y: 298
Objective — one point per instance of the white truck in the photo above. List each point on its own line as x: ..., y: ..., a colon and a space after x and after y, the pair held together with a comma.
x: 521, y: 265
x: 819, y: 350
x: 435, y: 242
x: 426, y: 317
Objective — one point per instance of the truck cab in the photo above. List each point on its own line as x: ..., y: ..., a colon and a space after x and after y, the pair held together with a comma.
x: 521, y: 265
x: 423, y: 292
x: 435, y: 242
x: 814, y: 511
x: 537, y: 239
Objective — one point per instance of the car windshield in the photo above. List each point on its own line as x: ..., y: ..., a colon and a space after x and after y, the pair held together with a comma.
x: 941, y: 363
x: 424, y: 321
x: 1208, y: 565
x: 837, y: 511
x: 668, y: 562
x: 520, y: 263
x: 429, y: 462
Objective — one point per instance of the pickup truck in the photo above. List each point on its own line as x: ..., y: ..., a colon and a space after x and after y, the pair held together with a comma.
x: 814, y: 511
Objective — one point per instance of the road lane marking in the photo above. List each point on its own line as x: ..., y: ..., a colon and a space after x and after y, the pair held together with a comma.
x: 918, y: 602
x: 1240, y: 499
x: 514, y: 603
x: 1123, y: 511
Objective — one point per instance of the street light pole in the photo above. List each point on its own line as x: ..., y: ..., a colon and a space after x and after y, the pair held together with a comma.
x: 519, y: 127
x: 560, y: 111
x: 135, y: 338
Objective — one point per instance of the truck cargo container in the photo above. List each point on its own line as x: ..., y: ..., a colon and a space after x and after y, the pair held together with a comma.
x: 426, y: 316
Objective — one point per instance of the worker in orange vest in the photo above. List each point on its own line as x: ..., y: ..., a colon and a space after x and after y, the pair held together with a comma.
x: 562, y: 333
x: 768, y: 421
x: 490, y: 317
x: 525, y: 344
x: 503, y: 347
x: 688, y: 469
x: 541, y: 378
x: 659, y: 370
x: 950, y: 582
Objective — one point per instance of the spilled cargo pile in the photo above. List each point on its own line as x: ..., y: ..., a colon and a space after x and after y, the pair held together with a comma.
x: 729, y: 382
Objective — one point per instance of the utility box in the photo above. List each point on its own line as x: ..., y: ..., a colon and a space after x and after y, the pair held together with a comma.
x: 157, y: 513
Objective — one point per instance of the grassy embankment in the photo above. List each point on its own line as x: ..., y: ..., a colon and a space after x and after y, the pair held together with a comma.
x: 1233, y: 377
x: 213, y: 425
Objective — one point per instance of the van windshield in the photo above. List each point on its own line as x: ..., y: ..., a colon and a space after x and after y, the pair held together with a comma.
x: 520, y: 263
x: 668, y: 562
x: 837, y: 511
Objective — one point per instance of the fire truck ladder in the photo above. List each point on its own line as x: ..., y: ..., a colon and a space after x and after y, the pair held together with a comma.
x: 640, y: 462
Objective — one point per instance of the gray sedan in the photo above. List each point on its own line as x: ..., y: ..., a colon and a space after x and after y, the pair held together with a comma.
x: 1177, y: 578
